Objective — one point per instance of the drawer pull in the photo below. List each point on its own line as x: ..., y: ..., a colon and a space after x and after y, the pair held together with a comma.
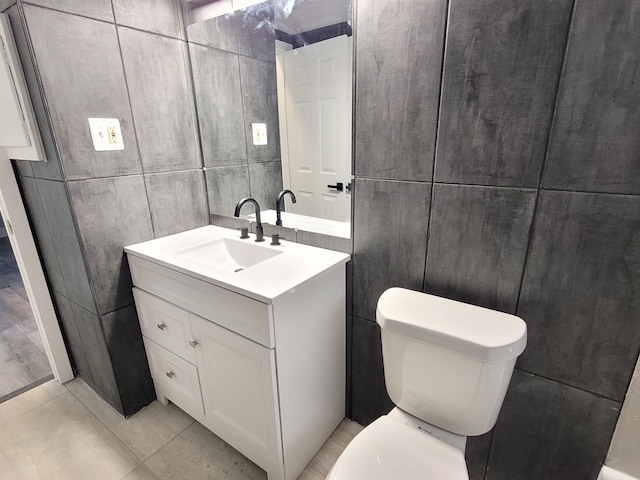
x: 170, y: 374
x: 161, y: 326
x: 193, y: 343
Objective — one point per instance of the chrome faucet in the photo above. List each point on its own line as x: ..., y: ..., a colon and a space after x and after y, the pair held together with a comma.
x: 259, y: 231
x: 279, y: 204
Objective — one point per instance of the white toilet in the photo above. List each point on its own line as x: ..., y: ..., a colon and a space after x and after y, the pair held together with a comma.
x: 447, y: 367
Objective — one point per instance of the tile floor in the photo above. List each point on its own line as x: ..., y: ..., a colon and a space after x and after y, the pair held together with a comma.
x: 68, y: 432
x: 23, y: 361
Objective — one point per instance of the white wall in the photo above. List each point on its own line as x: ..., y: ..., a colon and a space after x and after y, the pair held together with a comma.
x: 623, y: 452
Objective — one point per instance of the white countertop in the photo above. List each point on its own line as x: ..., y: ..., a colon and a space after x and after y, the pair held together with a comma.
x: 263, y: 281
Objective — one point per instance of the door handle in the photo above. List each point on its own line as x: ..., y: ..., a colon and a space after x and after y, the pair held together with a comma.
x: 338, y: 186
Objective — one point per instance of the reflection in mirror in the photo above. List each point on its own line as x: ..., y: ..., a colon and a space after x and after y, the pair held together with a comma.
x: 273, y: 88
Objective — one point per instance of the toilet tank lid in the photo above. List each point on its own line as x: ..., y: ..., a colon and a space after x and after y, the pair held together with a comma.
x: 486, y: 335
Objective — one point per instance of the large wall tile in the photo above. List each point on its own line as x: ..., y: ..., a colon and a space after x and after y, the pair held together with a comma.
x: 547, y: 430
x: 5, y: 4
x: 368, y: 392
x: 595, y: 144
x: 266, y: 183
x: 159, y: 16
x: 218, y: 32
x: 256, y: 38
x: 111, y: 214
x: 98, y: 9
x: 178, y: 201
x: 124, y: 342
x: 72, y: 337
x: 82, y: 75
x: 66, y: 243
x: 390, y: 239
x: 477, y: 244
x: 40, y: 229
x: 398, y: 63
x: 260, y: 103
x: 502, y: 65
x: 477, y: 455
x: 216, y: 75
x: 102, y: 377
x: 51, y: 168
x: 580, y: 291
x: 226, y: 186
x: 161, y: 101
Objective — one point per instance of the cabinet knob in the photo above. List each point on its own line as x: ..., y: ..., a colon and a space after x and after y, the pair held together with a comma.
x: 193, y: 343
x: 161, y: 326
x: 170, y: 374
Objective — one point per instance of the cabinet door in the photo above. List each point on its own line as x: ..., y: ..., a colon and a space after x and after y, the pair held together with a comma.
x: 238, y: 379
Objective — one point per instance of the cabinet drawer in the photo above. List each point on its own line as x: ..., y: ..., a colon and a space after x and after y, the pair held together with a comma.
x: 174, y: 378
x: 246, y: 316
x: 165, y: 324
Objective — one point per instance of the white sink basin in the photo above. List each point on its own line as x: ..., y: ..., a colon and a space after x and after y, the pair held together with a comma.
x: 218, y: 256
x: 227, y: 254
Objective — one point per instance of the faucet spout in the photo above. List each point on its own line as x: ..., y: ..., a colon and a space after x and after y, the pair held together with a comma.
x: 259, y: 230
x: 279, y: 204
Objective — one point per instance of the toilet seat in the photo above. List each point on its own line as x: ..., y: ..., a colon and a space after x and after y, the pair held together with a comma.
x: 387, y: 449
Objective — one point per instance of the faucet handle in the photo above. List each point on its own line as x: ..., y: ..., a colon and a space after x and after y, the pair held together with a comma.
x: 275, y: 239
x: 244, y: 232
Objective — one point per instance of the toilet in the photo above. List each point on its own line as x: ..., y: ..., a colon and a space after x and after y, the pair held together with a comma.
x: 447, y: 366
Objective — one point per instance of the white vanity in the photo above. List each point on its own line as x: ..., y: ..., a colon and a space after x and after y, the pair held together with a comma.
x: 247, y: 338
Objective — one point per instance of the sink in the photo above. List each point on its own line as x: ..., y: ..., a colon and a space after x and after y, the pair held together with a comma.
x: 218, y: 256
x: 227, y: 254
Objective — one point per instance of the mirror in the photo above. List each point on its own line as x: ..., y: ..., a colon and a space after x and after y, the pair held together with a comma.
x: 273, y: 90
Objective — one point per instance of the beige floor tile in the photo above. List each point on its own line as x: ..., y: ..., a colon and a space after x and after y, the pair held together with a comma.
x: 151, y: 428
x: 309, y: 474
x: 198, y: 454
x: 96, y: 405
x: 346, y: 431
x: 141, y: 472
x: 12, y: 409
x: 326, y: 457
x: 62, y: 440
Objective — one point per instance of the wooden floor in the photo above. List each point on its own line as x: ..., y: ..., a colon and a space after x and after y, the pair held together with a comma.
x: 23, y: 362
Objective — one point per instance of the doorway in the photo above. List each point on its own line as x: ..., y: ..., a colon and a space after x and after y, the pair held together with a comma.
x: 23, y: 361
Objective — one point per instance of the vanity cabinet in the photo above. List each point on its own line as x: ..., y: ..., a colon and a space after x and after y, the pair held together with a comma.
x: 267, y: 376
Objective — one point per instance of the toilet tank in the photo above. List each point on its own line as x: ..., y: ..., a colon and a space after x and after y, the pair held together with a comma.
x: 446, y: 362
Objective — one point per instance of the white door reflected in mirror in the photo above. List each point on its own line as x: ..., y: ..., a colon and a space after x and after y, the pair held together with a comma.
x: 314, y: 92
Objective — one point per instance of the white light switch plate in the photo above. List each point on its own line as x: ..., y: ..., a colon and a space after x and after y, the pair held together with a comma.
x: 259, y: 133
x: 106, y: 134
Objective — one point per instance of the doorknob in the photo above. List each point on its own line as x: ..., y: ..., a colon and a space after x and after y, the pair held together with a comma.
x: 338, y: 186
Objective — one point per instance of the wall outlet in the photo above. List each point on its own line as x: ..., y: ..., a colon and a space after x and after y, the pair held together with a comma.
x: 106, y: 134
x: 259, y: 133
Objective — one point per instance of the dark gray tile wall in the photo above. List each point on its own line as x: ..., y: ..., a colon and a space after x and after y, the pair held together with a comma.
x: 500, y: 233
x: 500, y: 75
x: 580, y: 291
x: 398, y: 53
x: 477, y: 244
x: 97, y: 9
x: 235, y: 86
x: 177, y: 201
x: 594, y: 143
x: 216, y: 76
x: 158, y: 81
x: 85, y: 64
x: 164, y: 16
x: 111, y: 213
x: 82, y: 77
x: 390, y: 239
x: 574, y: 426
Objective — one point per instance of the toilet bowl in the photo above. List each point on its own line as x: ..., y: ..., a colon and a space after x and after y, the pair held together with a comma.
x: 447, y: 366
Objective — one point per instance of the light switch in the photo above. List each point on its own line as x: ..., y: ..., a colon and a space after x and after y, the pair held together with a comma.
x: 259, y: 133
x: 106, y: 134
